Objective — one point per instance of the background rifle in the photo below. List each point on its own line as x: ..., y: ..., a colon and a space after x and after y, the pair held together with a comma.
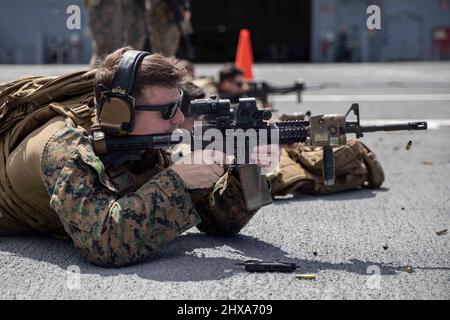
x: 262, y: 90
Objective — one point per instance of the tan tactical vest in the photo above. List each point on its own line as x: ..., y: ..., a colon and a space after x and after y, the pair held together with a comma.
x: 25, y: 105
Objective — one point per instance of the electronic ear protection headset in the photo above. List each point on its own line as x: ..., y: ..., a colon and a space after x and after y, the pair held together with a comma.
x: 117, y: 106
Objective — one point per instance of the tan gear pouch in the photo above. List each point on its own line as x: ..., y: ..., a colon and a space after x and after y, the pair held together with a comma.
x: 375, y: 171
x: 289, y: 176
x: 301, y: 169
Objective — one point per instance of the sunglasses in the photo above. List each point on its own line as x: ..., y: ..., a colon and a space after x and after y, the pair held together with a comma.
x: 168, y: 110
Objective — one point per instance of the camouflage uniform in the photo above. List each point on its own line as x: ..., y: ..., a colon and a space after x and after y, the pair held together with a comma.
x: 164, y: 30
x: 104, y: 22
x: 156, y: 24
x: 140, y: 25
x: 111, y: 229
x: 135, y: 25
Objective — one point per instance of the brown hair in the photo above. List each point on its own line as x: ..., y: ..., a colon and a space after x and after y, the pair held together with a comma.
x: 155, y: 69
x: 229, y: 72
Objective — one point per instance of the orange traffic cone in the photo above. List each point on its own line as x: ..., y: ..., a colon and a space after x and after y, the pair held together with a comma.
x: 244, y: 54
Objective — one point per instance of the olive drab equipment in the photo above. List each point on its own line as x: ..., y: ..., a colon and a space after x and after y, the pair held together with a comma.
x: 28, y: 103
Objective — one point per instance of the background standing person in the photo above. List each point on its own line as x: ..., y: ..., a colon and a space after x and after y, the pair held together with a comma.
x: 135, y: 23
x: 168, y: 20
x: 104, y: 23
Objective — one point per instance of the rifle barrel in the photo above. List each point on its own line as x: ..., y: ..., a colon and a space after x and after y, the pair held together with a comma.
x: 353, y: 128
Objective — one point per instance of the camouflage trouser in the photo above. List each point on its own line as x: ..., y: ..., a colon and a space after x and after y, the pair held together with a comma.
x: 135, y: 25
x: 118, y: 23
x: 165, y: 40
x: 104, y: 22
x: 141, y: 26
x: 165, y: 34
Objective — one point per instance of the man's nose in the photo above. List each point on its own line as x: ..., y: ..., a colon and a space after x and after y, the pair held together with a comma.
x: 178, y: 118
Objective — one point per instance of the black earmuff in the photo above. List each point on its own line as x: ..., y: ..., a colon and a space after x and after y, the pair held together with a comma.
x: 116, y: 112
